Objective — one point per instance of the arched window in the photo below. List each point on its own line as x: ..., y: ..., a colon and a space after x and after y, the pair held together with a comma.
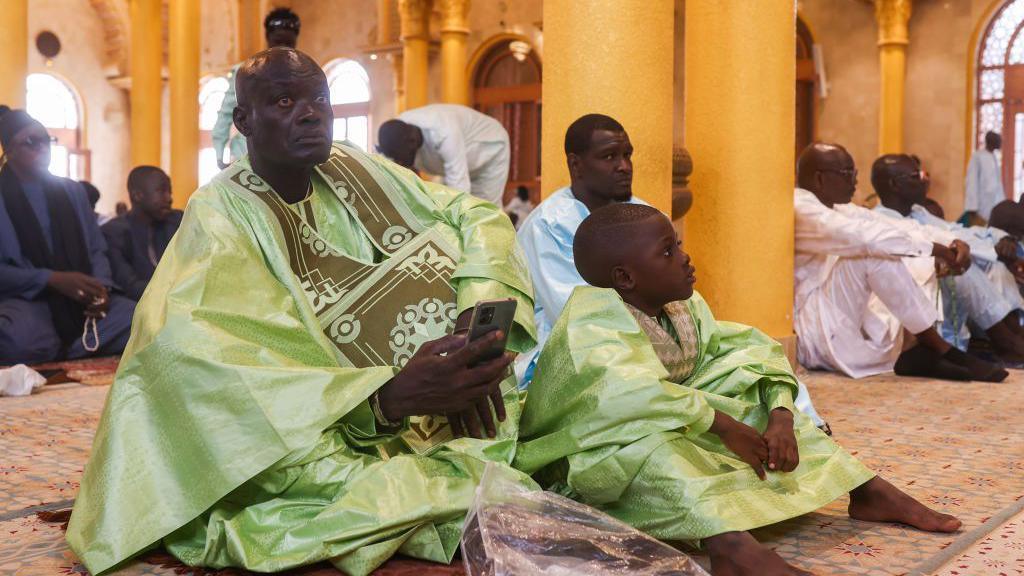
x: 999, y: 99
x: 350, y: 99
x: 211, y: 95
x: 51, y: 101
x: 507, y: 87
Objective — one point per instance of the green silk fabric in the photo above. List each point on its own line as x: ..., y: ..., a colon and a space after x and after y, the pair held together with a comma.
x: 603, y: 424
x: 235, y: 432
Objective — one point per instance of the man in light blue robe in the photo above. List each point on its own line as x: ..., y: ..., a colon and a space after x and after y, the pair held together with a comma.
x: 281, y: 27
x: 599, y: 156
x: 985, y: 295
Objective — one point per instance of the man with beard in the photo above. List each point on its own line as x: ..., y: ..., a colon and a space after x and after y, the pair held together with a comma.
x: 138, y: 239
x: 292, y: 393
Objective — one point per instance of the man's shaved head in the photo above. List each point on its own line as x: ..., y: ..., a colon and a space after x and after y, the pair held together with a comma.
x: 271, y: 64
x: 284, y: 109
x: 828, y: 171
x: 1009, y: 217
x: 633, y: 249
x: 898, y: 181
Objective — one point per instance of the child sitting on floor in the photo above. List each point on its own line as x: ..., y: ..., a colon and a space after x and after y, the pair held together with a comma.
x: 680, y: 425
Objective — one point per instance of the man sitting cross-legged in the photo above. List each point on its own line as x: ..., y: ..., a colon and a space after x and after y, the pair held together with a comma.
x: 986, y: 292
x: 680, y: 425
x: 846, y: 256
x: 283, y: 400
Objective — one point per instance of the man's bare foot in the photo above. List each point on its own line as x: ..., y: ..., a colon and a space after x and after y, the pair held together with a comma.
x: 879, y: 501
x: 739, y: 554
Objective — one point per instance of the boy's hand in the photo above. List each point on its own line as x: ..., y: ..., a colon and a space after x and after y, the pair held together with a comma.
x: 783, y: 453
x: 742, y: 440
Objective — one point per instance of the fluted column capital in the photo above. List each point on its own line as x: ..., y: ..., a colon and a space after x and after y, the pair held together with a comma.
x: 454, y: 16
x: 892, y: 17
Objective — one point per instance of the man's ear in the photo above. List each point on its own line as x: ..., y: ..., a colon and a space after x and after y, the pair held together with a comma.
x: 241, y: 119
x: 622, y: 279
x: 573, y: 161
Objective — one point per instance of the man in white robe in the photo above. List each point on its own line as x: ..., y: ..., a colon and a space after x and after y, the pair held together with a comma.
x: 986, y: 294
x: 983, y: 187
x: 468, y: 148
x: 599, y: 156
x: 845, y: 255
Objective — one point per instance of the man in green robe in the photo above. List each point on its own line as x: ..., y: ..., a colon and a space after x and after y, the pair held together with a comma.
x: 680, y: 425
x: 283, y: 397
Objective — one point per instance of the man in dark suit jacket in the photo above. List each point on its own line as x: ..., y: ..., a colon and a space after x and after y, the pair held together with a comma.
x: 138, y: 239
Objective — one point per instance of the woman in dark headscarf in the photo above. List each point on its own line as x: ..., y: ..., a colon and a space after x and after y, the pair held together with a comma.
x: 55, y: 282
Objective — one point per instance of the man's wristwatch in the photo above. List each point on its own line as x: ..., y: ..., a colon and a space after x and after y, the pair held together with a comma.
x: 378, y: 414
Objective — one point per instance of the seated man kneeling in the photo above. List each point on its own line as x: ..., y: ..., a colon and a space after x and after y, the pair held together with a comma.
x: 680, y: 425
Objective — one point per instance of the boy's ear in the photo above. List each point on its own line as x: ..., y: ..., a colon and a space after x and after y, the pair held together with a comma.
x: 622, y: 279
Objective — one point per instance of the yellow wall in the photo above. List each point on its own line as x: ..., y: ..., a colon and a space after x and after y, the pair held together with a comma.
x: 619, y: 63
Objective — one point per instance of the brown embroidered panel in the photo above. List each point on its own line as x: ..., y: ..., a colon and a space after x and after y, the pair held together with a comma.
x: 374, y: 314
x: 369, y: 195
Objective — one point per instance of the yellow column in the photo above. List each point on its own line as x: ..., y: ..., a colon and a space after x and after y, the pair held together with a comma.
x: 454, y: 31
x: 892, y: 17
x: 147, y: 59
x: 184, y: 77
x: 13, y: 52
x: 620, y: 65
x: 250, y: 28
x: 415, y: 16
x: 384, y: 23
x: 739, y: 117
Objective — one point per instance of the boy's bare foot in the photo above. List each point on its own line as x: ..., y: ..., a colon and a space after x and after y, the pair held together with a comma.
x: 879, y: 501
x: 739, y: 554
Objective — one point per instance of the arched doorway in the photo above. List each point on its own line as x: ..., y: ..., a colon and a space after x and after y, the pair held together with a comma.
x: 52, y: 101
x: 999, y: 95
x: 805, y: 86
x: 507, y: 86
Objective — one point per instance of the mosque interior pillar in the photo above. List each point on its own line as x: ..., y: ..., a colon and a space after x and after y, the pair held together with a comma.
x: 184, y: 102
x: 739, y: 116
x: 454, y: 32
x: 892, y: 17
x: 620, y: 65
x: 147, y: 59
x: 13, y: 52
x: 415, y: 34
x: 250, y: 28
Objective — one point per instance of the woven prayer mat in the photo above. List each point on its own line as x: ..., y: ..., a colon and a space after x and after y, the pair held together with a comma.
x: 958, y: 447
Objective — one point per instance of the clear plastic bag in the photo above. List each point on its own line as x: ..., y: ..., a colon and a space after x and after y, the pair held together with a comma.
x: 514, y: 531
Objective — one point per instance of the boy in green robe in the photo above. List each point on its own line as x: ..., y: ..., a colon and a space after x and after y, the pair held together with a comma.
x: 680, y: 425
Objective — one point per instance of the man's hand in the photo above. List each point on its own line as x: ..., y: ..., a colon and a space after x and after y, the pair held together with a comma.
x: 98, y: 307
x: 742, y: 440
x: 79, y: 287
x: 1006, y: 249
x: 954, y: 259
x: 783, y: 453
x: 962, y: 254
x: 438, y: 380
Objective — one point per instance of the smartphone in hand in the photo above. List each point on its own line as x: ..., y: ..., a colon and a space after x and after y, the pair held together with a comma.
x: 488, y: 316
